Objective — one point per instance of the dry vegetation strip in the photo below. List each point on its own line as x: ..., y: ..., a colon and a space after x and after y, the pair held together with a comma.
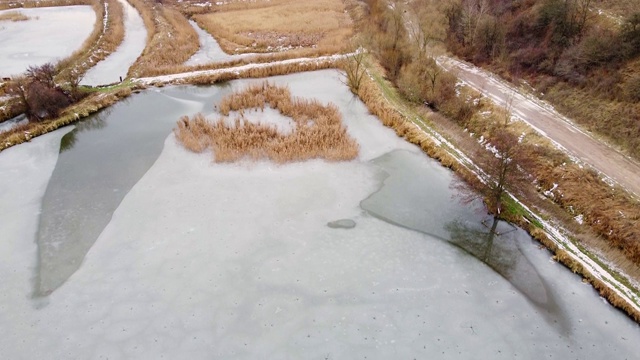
x: 171, y: 39
x: 263, y: 60
x: 318, y: 131
x: 279, y: 25
x: 13, y: 16
x: 208, y: 77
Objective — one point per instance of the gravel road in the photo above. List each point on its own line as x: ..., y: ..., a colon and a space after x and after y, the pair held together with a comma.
x: 548, y: 122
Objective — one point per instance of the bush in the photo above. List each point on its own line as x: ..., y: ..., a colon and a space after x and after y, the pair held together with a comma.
x: 45, y: 102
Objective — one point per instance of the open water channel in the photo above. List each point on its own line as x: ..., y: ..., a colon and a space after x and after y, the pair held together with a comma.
x: 119, y: 243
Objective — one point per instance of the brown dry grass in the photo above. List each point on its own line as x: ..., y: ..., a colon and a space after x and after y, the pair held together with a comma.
x: 171, y: 40
x: 318, y: 131
x: 278, y: 25
x: 13, y: 16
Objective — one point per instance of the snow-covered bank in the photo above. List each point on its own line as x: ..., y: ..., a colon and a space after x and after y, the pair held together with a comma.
x: 51, y: 33
x: 236, y: 69
x: 116, y: 65
x: 204, y: 260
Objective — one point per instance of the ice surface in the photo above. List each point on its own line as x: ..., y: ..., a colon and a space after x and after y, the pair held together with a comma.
x: 50, y: 34
x: 25, y: 172
x: 203, y: 260
x: 12, y: 123
x: 342, y: 224
x: 117, y: 64
x: 210, y: 51
x: 73, y: 212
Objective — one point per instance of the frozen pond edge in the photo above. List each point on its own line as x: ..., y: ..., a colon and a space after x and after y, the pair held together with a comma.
x: 116, y: 65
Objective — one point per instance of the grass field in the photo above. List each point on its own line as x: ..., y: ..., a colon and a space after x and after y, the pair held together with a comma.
x: 268, y: 26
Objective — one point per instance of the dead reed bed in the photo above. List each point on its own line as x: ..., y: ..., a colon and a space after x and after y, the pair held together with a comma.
x: 278, y: 25
x: 13, y: 16
x: 102, y: 42
x: 318, y: 130
x: 172, y: 40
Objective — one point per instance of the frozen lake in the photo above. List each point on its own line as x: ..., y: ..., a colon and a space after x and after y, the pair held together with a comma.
x: 125, y: 245
x: 50, y: 34
x: 117, y: 64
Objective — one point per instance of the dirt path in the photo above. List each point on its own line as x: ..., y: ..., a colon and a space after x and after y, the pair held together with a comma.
x: 548, y: 122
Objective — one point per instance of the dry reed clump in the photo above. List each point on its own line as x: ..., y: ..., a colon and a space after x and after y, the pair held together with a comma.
x: 318, y: 130
x: 171, y: 42
x: 13, y: 16
x: 278, y: 25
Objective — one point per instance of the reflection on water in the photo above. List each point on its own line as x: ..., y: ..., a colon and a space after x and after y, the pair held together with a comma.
x: 414, y: 198
x: 497, y: 246
x: 100, y: 161
x: 95, y: 122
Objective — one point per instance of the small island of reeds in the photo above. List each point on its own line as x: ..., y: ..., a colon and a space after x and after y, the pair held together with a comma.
x: 316, y: 130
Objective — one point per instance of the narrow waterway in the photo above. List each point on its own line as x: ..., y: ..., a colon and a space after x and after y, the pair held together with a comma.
x: 116, y: 65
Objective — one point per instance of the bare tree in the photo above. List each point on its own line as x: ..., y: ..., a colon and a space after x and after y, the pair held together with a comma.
x: 17, y: 88
x: 43, y: 74
x: 354, y: 69
x: 38, y: 94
